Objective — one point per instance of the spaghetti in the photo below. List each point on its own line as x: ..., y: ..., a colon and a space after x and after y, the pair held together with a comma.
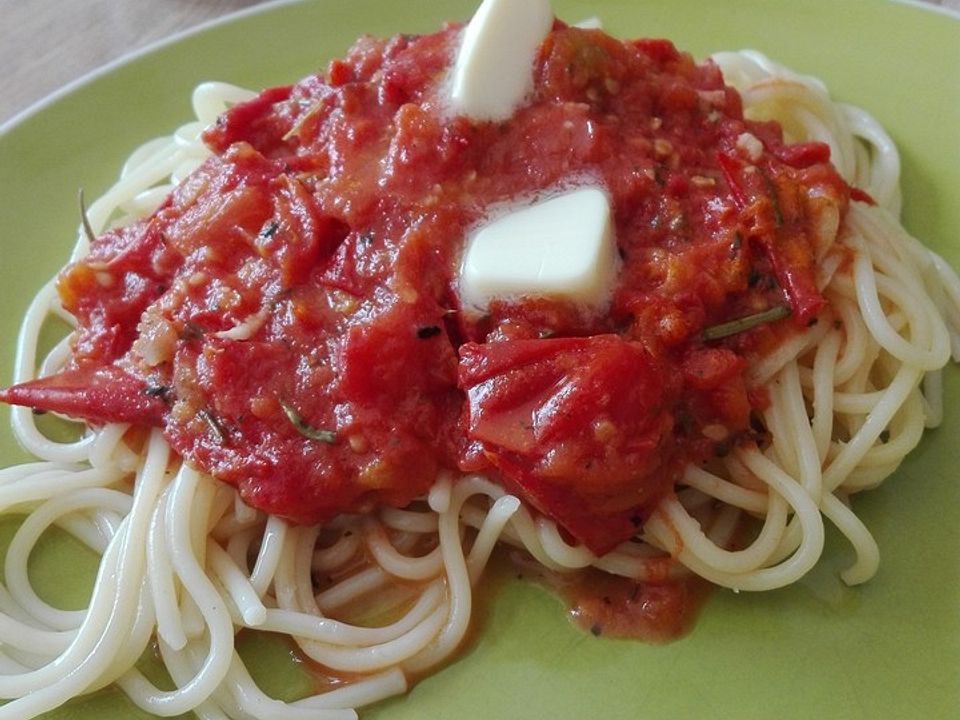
x: 186, y: 564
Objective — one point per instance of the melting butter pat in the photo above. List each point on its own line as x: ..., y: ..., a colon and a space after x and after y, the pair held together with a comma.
x: 493, y: 72
x: 560, y: 248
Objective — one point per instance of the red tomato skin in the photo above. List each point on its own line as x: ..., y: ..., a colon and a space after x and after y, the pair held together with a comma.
x: 580, y: 425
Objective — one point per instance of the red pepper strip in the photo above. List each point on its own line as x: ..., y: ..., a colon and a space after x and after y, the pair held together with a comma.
x: 731, y: 168
x: 802, y: 155
x: 238, y: 122
x: 862, y: 196
x: 99, y: 395
x: 661, y: 51
x: 798, y: 283
x: 789, y: 254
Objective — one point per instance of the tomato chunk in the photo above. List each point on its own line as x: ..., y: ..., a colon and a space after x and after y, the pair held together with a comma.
x: 579, y: 424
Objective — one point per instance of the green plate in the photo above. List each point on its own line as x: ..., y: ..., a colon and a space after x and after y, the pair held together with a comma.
x: 890, y: 649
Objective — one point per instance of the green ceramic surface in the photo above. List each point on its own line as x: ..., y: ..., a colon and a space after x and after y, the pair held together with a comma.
x: 889, y: 649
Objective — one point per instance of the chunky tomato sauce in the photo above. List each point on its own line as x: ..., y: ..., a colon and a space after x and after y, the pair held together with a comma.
x: 289, y: 315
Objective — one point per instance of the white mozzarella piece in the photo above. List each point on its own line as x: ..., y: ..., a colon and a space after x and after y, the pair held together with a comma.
x: 561, y: 248
x: 493, y: 72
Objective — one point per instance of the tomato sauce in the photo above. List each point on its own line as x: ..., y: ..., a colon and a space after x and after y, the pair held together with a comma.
x: 613, y: 606
x: 289, y: 315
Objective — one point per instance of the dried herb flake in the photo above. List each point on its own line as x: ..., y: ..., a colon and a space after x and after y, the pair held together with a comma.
x: 84, y: 219
x: 304, y: 428
x: 427, y: 331
x: 748, y: 322
x: 216, y: 429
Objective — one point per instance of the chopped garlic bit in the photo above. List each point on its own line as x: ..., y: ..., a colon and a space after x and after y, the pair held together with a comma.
x: 750, y: 146
x: 247, y: 328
